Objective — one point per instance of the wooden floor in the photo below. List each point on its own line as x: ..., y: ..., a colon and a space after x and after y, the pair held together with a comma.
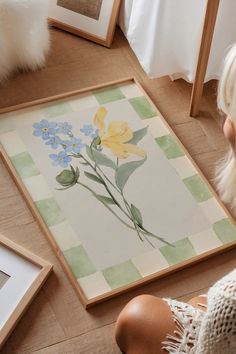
x: 56, y: 321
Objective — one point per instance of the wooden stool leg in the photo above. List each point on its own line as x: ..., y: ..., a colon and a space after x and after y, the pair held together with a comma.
x: 207, y: 34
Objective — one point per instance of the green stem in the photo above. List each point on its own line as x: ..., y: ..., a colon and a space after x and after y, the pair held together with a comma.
x: 105, y: 185
x: 144, y: 231
x: 155, y: 236
x: 112, y: 211
x: 131, y: 216
x: 127, y: 205
x: 99, y: 168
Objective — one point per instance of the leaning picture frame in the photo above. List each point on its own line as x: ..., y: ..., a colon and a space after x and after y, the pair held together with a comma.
x: 22, y: 274
x: 81, y: 158
x: 94, y: 20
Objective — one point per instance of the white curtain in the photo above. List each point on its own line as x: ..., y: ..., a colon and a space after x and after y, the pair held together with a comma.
x: 165, y: 35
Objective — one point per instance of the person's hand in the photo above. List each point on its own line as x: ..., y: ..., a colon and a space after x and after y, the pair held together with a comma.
x: 230, y: 132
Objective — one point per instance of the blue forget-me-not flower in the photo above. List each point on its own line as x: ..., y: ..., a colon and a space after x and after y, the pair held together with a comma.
x: 54, y: 141
x: 44, y: 129
x: 64, y: 128
x: 88, y: 129
x: 62, y: 159
x: 74, y: 145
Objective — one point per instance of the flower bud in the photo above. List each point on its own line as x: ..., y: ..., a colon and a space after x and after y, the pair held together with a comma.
x: 97, y: 140
x: 68, y: 178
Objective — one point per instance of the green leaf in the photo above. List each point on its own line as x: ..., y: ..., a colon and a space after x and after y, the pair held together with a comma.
x: 62, y: 189
x: 104, y: 199
x: 100, y: 158
x: 125, y: 171
x: 137, y: 215
x: 97, y: 140
x: 72, y: 169
x: 76, y: 174
x: 84, y: 163
x: 77, y: 156
x: 93, y: 177
x: 137, y: 136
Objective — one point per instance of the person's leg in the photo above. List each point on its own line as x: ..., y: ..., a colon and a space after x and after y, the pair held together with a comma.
x: 143, y: 325
x: 199, y: 302
x: 145, y: 321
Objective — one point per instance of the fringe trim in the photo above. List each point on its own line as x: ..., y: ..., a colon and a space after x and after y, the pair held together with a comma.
x: 187, y: 320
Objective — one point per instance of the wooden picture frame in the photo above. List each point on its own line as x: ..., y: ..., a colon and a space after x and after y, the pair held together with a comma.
x: 131, y: 85
x: 37, y: 279
x: 99, y: 29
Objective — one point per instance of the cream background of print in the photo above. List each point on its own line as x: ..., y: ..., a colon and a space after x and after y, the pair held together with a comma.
x: 150, y: 262
x: 26, y: 116
x: 38, y: 188
x: 205, y: 241
x: 156, y: 127
x: 43, y: 106
x: 12, y: 143
x: 65, y: 236
x: 213, y: 210
x: 85, y: 101
x: 131, y: 90
x: 6, y: 123
x: 94, y: 285
x: 183, y: 167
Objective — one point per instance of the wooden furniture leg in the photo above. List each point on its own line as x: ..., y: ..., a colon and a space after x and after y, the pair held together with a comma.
x: 204, y: 51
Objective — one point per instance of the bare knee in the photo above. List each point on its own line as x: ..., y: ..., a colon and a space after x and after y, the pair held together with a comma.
x: 143, y: 324
x: 128, y: 322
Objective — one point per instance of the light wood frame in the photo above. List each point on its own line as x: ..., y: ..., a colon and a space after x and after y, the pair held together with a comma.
x: 45, y: 270
x: 110, y: 31
x: 160, y: 274
x: 203, y: 56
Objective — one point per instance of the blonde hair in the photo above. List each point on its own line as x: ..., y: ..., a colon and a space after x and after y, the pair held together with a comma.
x: 225, y: 173
x: 226, y: 99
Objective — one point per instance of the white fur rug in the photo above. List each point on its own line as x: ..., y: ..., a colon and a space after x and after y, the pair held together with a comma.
x: 24, y: 35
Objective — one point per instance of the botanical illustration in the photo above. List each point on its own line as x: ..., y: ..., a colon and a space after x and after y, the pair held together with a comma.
x: 87, y: 8
x: 84, y: 158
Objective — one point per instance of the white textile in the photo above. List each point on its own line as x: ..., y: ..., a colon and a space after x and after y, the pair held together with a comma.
x: 210, y: 332
x: 165, y: 35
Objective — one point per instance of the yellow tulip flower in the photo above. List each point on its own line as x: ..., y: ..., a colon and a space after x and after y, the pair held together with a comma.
x: 116, y: 135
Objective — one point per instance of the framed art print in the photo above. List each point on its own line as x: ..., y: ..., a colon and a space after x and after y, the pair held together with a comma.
x: 22, y: 274
x: 94, y: 19
x: 117, y: 195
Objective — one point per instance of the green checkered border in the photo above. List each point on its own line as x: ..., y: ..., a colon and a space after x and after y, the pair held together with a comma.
x: 93, y: 282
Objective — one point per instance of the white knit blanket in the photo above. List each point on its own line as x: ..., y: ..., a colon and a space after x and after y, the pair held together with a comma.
x: 210, y: 332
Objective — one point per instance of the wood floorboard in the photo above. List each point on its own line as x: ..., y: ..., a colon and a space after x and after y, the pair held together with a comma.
x: 56, y: 322
x: 104, y: 338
